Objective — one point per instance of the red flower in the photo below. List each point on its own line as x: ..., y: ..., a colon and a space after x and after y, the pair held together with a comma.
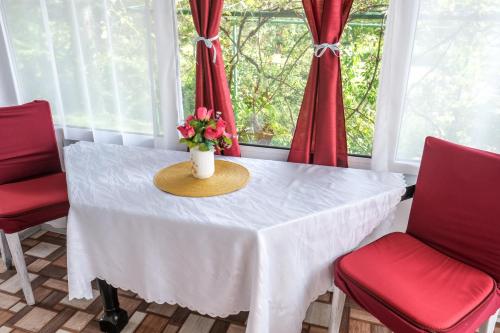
x: 220, y: 127
x: 211, y: 133
x: 187, y: 131
x: 211, y: 124
x: 203, y: 114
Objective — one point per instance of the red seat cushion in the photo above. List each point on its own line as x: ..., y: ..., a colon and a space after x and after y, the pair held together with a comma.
x: 33, y: 201
x: 429, y: 289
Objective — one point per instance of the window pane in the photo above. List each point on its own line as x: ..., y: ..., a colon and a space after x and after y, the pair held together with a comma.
x: 268, y: 51
x: 362, y: 44
x: 32, y: 60
x: 453, y: 89
x: 133, y: 54
x: 93, y: 60
x: 67, y: 64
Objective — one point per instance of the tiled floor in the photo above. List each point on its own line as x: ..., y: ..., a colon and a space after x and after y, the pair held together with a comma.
x: 46, y: 260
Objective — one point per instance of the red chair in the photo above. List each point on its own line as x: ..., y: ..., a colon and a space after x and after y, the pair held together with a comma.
x: 32, y: 184
x: 443, y: 274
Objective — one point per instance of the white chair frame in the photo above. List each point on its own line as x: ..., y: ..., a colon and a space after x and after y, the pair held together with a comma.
x: 12, y: 251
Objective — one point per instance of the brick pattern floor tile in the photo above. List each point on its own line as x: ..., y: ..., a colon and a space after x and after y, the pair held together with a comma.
x: 54, y: 313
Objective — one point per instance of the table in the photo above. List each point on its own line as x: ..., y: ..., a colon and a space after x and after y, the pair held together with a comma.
x: 267, y: 248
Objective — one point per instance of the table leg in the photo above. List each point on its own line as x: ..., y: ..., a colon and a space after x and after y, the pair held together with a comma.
x: 114, y: 318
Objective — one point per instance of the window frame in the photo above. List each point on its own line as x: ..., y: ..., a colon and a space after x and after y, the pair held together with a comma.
x: 281, y: 154
x: 248, y: 150
x: 290, y: 14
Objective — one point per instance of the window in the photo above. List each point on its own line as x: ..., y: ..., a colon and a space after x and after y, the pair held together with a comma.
x: 268, y: 50
x: 453, y: 89
x: 91, y: 59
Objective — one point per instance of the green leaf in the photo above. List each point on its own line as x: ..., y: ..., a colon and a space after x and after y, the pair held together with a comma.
x: 198, y: 138
x: 210, y: 144
x: 203, y: 147
x: 187, y: 142
x: 196, y: 124
x: 212, y: 123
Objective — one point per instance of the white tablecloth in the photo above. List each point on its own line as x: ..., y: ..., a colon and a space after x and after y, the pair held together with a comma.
x: 267, y: 248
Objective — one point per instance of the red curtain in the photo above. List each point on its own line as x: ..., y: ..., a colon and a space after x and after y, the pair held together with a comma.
x: 212, y: 90
x: 320, y: 135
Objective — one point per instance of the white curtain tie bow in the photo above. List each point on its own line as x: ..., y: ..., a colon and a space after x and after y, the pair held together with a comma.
x: 320, y: 49
x: 208, y: 43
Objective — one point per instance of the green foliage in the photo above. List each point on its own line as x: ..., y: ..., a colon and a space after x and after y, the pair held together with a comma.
x: 206, y: 146
x: 91, y: 96
x: 188, y: 143
x: 268, y: 51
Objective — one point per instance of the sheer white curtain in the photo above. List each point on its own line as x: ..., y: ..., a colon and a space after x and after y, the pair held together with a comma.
x: 97, y: 63
x: 440, y: 77
x: 7, y: 88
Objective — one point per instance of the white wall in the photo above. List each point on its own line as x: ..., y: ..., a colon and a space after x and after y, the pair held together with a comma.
x: 402, y: 215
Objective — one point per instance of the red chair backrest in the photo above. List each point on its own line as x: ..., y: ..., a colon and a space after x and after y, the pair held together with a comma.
x: 28, y: 145
x: 456, y: 207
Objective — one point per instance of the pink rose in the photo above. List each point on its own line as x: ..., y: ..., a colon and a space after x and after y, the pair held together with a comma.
x: 211, y: 133
x: 220, y: 127
x: 187, y: 131
x: 203, y: 114
x: 188, y: 119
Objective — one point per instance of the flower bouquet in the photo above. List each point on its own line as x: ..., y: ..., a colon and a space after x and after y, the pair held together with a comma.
x: 204, y: 133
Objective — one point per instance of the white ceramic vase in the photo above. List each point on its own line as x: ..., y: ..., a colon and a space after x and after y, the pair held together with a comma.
x: 203, y: 163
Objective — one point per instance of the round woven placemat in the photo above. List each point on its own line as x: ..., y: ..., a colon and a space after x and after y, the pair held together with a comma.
x: 178, y: 180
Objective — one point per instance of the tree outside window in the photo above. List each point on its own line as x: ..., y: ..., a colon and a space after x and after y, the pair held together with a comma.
x: 267, y: 50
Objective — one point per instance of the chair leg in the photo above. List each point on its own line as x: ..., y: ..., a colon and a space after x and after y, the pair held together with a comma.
x: 489, y: 325
x: 22, y: 271
x: 338, y: 301
x: 6, y: 256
